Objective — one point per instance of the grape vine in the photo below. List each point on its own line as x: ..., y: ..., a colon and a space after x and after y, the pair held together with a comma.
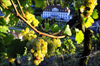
x: 47, y: 44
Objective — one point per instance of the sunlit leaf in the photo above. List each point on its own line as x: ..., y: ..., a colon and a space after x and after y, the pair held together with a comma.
x: 54, y: 28
x: 3, y: 30
x: 66, y: 30
x: 79, y: 37
x: 95, y: 14
x: 6, y: 2
x: 89, y: 22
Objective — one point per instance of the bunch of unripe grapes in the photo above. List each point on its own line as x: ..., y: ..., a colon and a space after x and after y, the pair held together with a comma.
x: 28, y: 34
x: 71, y: 45
x: 52, y: 45
x: 88, y: 7
x: 38, y: 48
x: 42, y: 47
x: 31, y: 19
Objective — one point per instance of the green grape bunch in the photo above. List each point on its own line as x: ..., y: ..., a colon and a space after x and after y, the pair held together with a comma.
x: 88, y: 7
x: 40, y: 47
x: 28, y: 35
x: 31, y: 19
x: 52, y: 45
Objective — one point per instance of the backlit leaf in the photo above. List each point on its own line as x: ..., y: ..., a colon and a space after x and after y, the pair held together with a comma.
x: 66, y: 30
x: 3, y: 30
x: 89, y: 22
x: 95, y: 14
x: 79, y: 37
x: 6, y: 2
x: 54, y: 28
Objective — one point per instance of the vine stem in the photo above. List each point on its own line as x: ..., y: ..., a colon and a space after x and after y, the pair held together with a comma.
x: 18, y: 15
x: 21, y: 8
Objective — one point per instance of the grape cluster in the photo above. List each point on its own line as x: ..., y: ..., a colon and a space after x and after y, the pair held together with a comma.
x: 87, y: 7
x: 42, y: 47
x: 67, y: 46
x: 38, y: 48
x: 31, y: 19
x: 90, y: 5
x: 28, y: 35
x: 52, y: 45
x: 71, y: 45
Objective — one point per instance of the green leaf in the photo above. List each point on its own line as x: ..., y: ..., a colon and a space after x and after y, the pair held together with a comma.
x: 95, y: 14
x: 3, y: 35
x: 39, y: 18
x: 6, y: 2
x: 30, y: 10
x: 54, y: 28
x: 7, y: 12
x: 66, y: 30
x: 79, y: 37
x: 8, y: 39
x: 13, y: 19
x: 46, y: 27
x: 1, y: 8
x: 89, y: 22
x: 16, y: 47
x: 3, y: 30
x: 2, y: 21
x: 39, y: 3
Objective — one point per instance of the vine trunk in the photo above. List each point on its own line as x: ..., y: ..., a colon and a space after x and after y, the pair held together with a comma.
x: 87, y: 47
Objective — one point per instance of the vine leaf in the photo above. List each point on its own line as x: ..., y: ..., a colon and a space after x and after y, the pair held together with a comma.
x: 89, y: 22
x: 2, y: 21
x: 95, y: 14
x: 3, y: 35
x: 13, y: 19
x: 16, y: 47
x: 54, y: 28
x: 8, y: 39
x: 46, y: 27
x: 3, y: 30
x: 6, y: 2
x: 39, y: 3
x: 79, y: 37
x: 6, y: 12
x: 66, y: 30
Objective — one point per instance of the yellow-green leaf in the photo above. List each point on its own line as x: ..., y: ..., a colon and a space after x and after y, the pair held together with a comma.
x: 89, y: 22
x: 95, y: 14
x: 79, y: 37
